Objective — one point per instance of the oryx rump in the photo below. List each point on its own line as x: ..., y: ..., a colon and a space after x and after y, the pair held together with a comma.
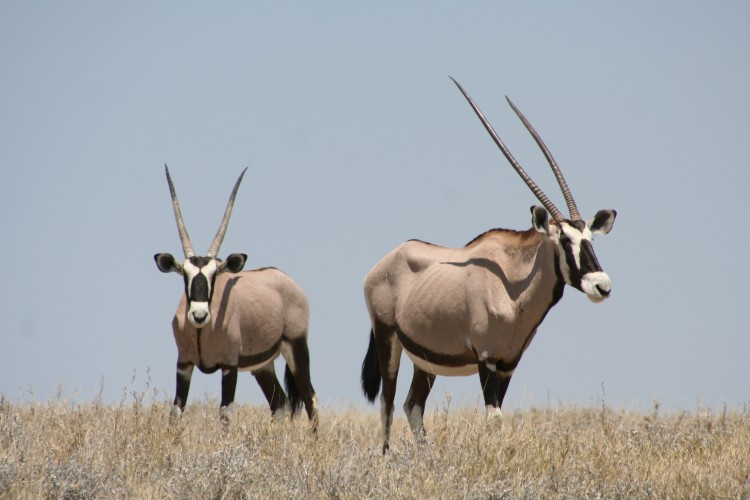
x: 233, y: 321
x: 459, y: 311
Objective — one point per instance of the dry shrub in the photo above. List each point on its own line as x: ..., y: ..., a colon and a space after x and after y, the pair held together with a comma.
x: 66, y: 450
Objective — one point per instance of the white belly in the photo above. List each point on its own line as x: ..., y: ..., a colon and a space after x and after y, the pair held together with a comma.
x: 448, y: 371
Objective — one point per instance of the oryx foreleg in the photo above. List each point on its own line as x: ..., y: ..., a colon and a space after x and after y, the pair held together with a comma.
x: 503, y: 381
x: 184, y: 374
x: 421, y: 384
x: 228, y: 388
x: 490, y: 389
x: 228, y: 385
x: 504, y: 371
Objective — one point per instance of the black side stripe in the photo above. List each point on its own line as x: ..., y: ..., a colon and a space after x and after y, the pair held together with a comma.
x: 256, y: 359
x: 243, y: 361
x: 431, y: 356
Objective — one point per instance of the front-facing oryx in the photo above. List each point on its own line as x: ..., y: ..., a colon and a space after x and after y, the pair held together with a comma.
x: 230, y: 320
x: 459, y: 311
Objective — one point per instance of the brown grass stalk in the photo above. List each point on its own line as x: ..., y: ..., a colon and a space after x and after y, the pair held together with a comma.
x: 69, y: 450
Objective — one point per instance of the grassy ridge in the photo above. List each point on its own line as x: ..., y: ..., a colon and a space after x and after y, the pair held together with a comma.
x: 65, y: 450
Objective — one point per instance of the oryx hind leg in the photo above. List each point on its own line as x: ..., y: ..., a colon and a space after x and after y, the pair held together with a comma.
x: 269, y: 384
x: 389, y: 358
x: 297, y: 379
x: 421, y: 384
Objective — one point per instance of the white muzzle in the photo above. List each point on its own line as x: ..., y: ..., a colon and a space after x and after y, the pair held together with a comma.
x: 199, y: 314
x: 596, y: 285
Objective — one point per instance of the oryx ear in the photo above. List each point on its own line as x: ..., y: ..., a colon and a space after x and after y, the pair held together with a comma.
x: 602, y: 222
x: 540, y: 219
x: 234, y: 263
x: 167, y: 264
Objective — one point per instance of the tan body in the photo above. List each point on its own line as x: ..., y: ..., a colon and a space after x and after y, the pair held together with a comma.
x: 455, y: 307
x: 255, y: 315
x: 233, y: 320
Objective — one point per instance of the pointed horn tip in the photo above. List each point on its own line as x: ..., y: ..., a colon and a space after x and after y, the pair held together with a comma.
x: 169, y: 177
x: 457, y: 84
x: 513, y: 105
x: 239, y: 179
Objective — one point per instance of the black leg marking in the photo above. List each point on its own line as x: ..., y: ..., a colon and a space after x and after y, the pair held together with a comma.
x: 503, y: 381
x: 489, y: 382
x: 292, y: 393
x: 389, y: 358
x: 421, y: 384
x: 386, y: 409
x: 269, y: 384
x: 228, y: 385
x: 184, y: 373
x: 302, y: 382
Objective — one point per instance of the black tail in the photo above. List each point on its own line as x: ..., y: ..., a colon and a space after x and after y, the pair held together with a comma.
x: 291, y: 391
x: 371, y: 371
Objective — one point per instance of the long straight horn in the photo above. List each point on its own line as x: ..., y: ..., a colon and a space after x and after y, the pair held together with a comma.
x: 187, y: 247
x: 574, y: 215
x: 532, y: 185
x: 214, y: 249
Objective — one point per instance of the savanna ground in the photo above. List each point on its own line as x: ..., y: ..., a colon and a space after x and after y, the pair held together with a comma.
x: 63, y: 449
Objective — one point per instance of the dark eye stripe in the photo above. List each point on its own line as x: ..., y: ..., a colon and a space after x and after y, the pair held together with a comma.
x: 570, y: 259
x: 589, y: 262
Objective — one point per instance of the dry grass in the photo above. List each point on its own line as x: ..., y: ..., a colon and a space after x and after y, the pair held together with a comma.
x: 68, y: 450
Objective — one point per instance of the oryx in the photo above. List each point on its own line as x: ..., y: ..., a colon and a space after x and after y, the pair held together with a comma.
x: 459, y: 311
x: 230, y: 320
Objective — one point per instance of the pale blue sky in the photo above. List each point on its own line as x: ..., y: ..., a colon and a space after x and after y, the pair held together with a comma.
x: 357, y: 140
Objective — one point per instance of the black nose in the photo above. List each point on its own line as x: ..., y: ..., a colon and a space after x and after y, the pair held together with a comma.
x: 602, y: 291
x: 199, y: 317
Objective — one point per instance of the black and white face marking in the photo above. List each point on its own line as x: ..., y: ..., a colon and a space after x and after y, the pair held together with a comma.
x: 578, y: 263
x: 199, y: 274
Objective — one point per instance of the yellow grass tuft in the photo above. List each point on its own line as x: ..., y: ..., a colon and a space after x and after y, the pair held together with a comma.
x: 67, y: 450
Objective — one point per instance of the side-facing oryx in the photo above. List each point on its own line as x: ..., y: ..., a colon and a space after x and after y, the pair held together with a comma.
x: 230, y: 320
x: 459, y: 311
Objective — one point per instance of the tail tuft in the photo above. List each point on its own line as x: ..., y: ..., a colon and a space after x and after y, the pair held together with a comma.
x: 371, y: 371
x: 292, y: 392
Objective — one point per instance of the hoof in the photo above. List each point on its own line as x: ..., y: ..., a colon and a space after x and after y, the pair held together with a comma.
x: 225, y: 415
x: 281, y: 413
x: 494, y: 413
x: 175, y: 415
